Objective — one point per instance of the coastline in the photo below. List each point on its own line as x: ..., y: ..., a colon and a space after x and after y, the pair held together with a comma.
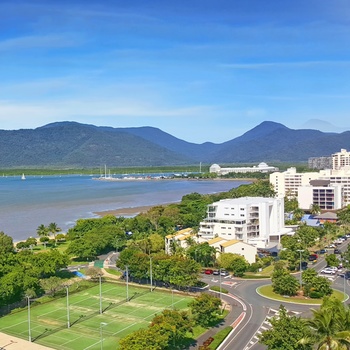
x: 129, y: 212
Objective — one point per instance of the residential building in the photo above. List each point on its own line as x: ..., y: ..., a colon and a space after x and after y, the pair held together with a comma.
x: 254, y: 220
x: 179, y: 239
x: 238, y: 247
x: 341, y: 160
x: 261, y: 168
x: 320, y: 163
x: 287, y: 183
x: 327, y: 195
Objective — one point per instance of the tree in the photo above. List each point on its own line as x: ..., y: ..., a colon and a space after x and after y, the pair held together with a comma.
x: 6, y: 244
x: 332, y: 260
x: 51, y: 284
x: 205, y: 309
x: 298, y: 214
x: 328, y: 330
x: 42, y: 231
x: 175, y: 324
x: 149, y: 338
x: 53, y: 228
x: 234, y: 262
x: 315, y: 209
x: 202, y: 253
x: 285, y: 285
x: 286, y: 332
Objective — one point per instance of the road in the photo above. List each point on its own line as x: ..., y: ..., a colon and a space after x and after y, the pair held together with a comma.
x: 258, y: 309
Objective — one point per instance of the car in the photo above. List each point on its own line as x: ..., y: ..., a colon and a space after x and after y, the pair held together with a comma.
x: 337, y: 251
x: 216, y: 272
x: 313, y: 257
x: 224, y: 273
x: 328, y: 271
x: 322, y: 251
x: 347, y: 235
x: 304, y: 265
x: 208, y: 271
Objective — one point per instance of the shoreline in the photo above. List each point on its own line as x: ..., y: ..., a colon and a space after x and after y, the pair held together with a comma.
x: 129, y: 212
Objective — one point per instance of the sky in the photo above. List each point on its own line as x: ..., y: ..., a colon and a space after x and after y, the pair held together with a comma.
x: 200, y: 70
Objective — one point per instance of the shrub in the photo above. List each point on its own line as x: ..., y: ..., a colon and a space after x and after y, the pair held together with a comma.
x: 315, y: 295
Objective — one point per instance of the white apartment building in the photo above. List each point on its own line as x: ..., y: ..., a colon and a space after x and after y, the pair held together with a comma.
x: 261, y: 168
x: 327, y: 195
x: 288, y: 182
x: 254, y: 220
x: 341, y: 160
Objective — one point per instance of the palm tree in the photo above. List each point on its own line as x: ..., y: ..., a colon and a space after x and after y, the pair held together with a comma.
x: 298, y: 214
x: 329, y: 330
x: 53, y: 228
x: 42, y: 231
x: 315, y: 209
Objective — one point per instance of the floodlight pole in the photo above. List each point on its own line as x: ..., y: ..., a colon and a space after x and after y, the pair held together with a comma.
x: 220, y: 281
x: 344, y: 288
x: 100, y: 277
x: 68, y: 318
x: 29, y: 329
x: 102, y: 324
x: 300, y: 251
x: 127, y: 283
x: 172, y: 298
x: 150, y: 271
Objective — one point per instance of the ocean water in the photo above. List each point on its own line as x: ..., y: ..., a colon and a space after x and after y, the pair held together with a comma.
x: 26, y: 204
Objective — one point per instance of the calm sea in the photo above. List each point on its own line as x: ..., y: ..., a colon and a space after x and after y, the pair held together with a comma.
x: 25, y: 204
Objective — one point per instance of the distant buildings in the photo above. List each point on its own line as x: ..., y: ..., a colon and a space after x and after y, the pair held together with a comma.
x: 320, y: 163
x: 261, y: 168
x: 257, y: 221
x: 328, y: 188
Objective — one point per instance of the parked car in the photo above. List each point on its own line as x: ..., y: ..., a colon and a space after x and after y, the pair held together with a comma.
x: 337, y: 251
x: 313, y: 257
x: 328, y: 271
x: 224, y: 273
x: 322, y: 251
x: 304, y: 265
x: 208, y: 271
x: 216, y: 272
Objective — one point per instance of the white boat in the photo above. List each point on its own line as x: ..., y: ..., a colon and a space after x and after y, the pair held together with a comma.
x: 23, y: 177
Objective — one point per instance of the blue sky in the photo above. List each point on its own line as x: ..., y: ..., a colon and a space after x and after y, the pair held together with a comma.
x: 199, y: 70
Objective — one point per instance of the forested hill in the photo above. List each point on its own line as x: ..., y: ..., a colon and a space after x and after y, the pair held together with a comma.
x: 70, y: 144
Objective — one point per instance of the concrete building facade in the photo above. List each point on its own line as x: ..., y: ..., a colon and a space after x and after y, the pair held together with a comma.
x: 254, y: 220
x: 261, y: 168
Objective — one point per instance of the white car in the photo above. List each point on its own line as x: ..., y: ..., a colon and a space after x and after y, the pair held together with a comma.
x: 329, y: 271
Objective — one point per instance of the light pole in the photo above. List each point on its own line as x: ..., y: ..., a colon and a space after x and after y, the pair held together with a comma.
x: 68, y: 321
x: 100, y: 277
x: 172, y: 298
x: 300, y: 251
x: 29, y: 330
x: 102, y: 324
x: 220, y: 281
x: 150, y: 271
x: 127, y: 283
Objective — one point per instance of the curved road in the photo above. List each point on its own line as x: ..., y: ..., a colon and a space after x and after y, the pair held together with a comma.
x: 257, y: 309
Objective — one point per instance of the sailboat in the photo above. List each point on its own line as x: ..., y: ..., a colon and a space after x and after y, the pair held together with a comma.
x: 23, y: 177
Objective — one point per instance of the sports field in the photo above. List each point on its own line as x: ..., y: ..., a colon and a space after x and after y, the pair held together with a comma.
x: 88, y: 326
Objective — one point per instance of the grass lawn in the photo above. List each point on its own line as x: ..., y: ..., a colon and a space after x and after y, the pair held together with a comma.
x: 267, y: 291
x: 119, y: 318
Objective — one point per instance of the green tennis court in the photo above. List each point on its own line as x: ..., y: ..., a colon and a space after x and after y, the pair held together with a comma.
x: 48, y: 322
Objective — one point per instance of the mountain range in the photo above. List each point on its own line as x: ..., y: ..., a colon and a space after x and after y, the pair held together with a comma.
x: 75, y: 145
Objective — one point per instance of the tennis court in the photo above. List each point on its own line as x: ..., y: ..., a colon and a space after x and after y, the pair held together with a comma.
x: 49, y: 322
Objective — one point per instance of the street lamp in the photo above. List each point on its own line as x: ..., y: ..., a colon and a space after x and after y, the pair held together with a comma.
x: 100, y: 277
x: 300, y: 251
x: 150, y: 271
x: 68, y: 321
x: 127, y: 282
x: 102, y: 324
x: 29, y: 330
